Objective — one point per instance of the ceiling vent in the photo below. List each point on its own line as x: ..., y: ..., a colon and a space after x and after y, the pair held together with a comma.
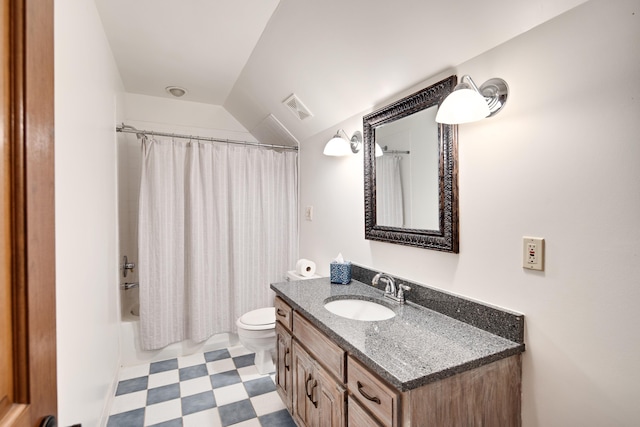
x: 296, y: 106
x: 271, y: 131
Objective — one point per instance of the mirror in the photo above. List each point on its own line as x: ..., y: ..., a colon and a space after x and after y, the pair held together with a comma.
x: 411, y: 192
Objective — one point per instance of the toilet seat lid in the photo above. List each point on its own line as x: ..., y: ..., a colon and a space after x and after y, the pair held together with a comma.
x: 259, y: 317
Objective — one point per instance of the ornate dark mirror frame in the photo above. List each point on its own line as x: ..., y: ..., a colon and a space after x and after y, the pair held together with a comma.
x: 446, y: 237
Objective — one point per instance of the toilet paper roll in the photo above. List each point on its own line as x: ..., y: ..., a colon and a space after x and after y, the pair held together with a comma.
x: 305, y: 267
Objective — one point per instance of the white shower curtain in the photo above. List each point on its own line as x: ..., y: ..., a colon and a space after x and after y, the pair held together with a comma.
x: 390, y: 205
x: 217, y: 224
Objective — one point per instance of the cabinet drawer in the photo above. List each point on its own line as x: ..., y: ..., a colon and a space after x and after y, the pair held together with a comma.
x: 320, y: 346
x: 283, y: 313
x: 358, y: 417
x: 373, y: 394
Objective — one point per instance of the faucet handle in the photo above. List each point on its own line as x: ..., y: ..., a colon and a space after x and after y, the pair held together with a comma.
x: 375, y: 279
x: 401, y: 289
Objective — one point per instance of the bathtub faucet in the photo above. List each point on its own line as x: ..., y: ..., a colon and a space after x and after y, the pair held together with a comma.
x: 127, y: 266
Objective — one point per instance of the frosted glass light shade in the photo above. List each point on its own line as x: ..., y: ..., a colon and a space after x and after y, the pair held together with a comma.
x: 379, y: 152
x: 462, y: 106
x: 337, y: 146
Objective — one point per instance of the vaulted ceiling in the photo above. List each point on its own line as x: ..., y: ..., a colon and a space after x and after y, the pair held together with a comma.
x: 340, y: 57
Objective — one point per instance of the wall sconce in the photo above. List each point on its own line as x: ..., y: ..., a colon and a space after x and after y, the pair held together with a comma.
x: 339, y: 146
x: 468, y: 104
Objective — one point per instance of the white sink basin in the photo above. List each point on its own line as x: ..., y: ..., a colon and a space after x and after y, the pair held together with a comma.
x: 358, y: 309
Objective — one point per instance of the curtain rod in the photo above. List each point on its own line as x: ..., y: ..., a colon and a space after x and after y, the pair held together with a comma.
x: 386, y: 150
x: 143, y: 133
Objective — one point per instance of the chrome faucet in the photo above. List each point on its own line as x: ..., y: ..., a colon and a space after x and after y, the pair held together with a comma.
x: 391, y: 290
x: 391, y: 283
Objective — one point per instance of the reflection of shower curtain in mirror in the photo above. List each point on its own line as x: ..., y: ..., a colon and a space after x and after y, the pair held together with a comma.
x: 389, y: 201
x: 218, y: 223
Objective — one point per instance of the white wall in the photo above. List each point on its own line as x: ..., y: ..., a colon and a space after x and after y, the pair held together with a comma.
x: 185, y: 117
x: 86, y: 83
x: 560, y: 162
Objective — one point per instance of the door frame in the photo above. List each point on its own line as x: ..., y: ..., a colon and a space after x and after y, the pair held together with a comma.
x: 28, y: 121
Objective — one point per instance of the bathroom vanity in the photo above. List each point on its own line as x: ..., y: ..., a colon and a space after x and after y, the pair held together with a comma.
x: 419, y: 368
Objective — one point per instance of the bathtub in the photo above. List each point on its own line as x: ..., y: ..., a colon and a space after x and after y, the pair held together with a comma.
x: 132, y: 354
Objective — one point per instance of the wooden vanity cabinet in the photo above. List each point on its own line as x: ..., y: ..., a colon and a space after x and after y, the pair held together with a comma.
x: 381, y: 400
x: 486, y: 396
x: 312, y: 372
x: 284, y: 313
x: 319, y: 400
x: 284, y: 366
x: 319, y: 395
x: 331, y: 356
x: 309, y: 389
x: 489, y: 395
x: 357, y: 416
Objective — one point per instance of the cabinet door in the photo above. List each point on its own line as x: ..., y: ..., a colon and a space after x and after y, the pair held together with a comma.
x: 305, y: 406
x: 318, y: 400
x: 331, y: 399
x: 283, y: 366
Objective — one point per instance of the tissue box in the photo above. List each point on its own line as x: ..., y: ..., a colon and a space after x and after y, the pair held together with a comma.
x: 340, y: 272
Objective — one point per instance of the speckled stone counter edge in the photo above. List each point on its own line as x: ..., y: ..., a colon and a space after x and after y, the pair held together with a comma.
x: 498, y: 321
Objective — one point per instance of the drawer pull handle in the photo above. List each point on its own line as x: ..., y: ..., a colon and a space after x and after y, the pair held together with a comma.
x: 309, y: 390
x: 287, y: 359
x: 281, y: 313
x: 366, y: 396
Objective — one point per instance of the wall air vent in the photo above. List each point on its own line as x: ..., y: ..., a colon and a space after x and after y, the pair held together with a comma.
x: 296, y: 106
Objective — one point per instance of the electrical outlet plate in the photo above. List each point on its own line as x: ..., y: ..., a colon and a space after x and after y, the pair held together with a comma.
x: 533, y: 253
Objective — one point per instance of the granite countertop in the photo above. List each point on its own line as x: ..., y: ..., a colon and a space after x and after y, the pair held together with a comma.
x: 416, y: 347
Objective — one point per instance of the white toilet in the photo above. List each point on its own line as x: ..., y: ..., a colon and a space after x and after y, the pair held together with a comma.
x: 257, y: 332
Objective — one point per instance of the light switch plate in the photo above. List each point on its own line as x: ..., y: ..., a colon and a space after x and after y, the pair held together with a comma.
x: 533, y: 253
x: 308, y: 213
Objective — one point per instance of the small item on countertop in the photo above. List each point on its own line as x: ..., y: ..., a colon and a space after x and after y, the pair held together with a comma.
x: 305, y: 267
x: 340, y: 270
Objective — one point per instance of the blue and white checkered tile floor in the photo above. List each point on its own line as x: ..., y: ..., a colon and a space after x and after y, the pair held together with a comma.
x: 218, y: 388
